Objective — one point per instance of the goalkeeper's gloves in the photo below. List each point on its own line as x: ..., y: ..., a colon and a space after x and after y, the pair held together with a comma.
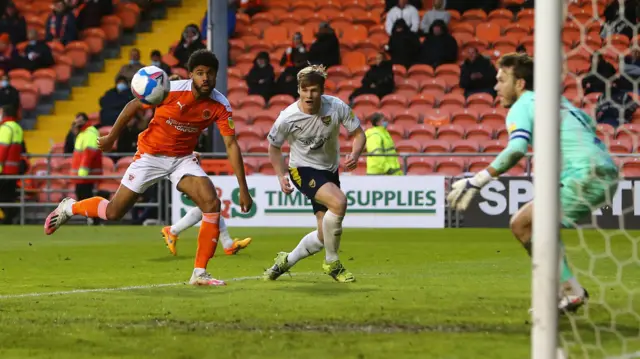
x: 462, y: 191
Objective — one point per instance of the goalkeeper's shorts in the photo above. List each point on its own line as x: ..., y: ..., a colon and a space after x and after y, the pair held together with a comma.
x: 584, y: 191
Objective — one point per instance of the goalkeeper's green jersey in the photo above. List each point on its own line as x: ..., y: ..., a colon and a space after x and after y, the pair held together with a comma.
x: 580, y: 147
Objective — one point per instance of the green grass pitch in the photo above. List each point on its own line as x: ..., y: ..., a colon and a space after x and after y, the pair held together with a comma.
x: 453, y: 293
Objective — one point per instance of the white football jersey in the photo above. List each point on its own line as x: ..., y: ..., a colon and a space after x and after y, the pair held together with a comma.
x: 314, y: 139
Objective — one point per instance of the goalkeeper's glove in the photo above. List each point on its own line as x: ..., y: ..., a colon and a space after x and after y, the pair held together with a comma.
x: 462, y: 191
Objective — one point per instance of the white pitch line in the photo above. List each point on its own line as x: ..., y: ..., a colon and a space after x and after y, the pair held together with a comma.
x: 120, y: 289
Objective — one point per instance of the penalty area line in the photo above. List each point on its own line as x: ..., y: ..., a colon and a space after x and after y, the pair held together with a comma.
x: 127, y: 288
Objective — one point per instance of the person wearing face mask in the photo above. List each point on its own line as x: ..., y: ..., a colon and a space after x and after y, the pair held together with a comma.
x: 8, y: 94
x: 261, y: 77
x: 190, y: 42
x: 379, y: 142
x: 156, y: 60
x: 113, y: 101
x: 14, y: 24
x: 11, y: 149
x: 127, y: 71
x: 37, y: 54
x: 61, y: 24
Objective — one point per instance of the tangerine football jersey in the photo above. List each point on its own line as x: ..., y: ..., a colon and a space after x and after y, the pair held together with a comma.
x: 180, y: 119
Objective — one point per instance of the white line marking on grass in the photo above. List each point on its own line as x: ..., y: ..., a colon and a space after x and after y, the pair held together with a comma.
x: 122, y: 289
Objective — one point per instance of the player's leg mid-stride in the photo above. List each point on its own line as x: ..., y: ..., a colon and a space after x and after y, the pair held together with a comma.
x: 193, y: 216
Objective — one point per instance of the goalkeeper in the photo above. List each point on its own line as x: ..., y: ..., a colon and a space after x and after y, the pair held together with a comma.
x: 589, y: 175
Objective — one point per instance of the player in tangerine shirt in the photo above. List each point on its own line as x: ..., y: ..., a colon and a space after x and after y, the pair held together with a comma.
x: 165, y: 149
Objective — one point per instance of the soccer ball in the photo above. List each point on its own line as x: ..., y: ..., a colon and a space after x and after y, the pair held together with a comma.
x: 150, y: 85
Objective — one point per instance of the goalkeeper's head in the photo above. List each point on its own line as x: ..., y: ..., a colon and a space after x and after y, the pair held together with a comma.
x: 515, y: 76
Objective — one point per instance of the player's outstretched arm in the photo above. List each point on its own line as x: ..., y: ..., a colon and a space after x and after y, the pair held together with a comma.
x: 235, y: 157
x: 359, y: 141
x: 105, y: 143
x: 277, y: 161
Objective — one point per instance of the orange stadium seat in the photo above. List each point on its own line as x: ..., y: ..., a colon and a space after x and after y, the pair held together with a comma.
x: 450, y: 132
x: 494, y: 146
x: 450, y: 166
x: 408, y: 146
x: 421, y: 132
x: 465, y: 146
x: 436, y: 146
x: 396, y: 131
x: 465, y: 118
x: 420, y: 165
x: 479, y: 133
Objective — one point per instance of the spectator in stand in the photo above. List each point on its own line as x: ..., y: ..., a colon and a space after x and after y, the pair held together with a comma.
x: 325, y: 49
x: 156, y: 60
x: 113, y: 101
x: 403, y: 11
x: 91, y: 13
x: 8, y: 94
x: 439, y: 47
x: 296, y: 49
x: 608, y: 108
x: 261, y: 78
x: 631, y: 65
x: 189, y: 43
x: 61, y: 24
x: 599, y: 72
x: 13, y: 24
x: 288, y: 80
x: 464, y: 5
x: 11, y: 149
x: 378, y: 80
x: 617, y: 22
x: 9, y: 57
x: 437, y: 13
x: 37, y: 54
x: 418, y: 4
x: 127, y: 71
x: 477, y: 74
x: 404, y: 45
x: 251, y: 7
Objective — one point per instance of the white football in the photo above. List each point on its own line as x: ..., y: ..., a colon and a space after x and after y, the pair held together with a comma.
x: 150, y: 85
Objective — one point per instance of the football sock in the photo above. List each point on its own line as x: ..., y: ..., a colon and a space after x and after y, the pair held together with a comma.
x: 225, y: 238
x: 193, y: 216
x: 567, y: 278
x: 207, y: 240
x: 309, y: 245
x: 94, y: 207
x: 332, y: 231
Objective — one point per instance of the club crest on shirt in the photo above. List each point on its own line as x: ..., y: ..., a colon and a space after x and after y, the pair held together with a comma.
x: 231, y: 124
x: 326, y: 120
x: 512, y: 127
x: 206, y: 114
x: 312, y: 183
x: 131, y: 177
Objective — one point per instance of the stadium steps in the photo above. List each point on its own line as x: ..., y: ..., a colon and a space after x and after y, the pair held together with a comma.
x: 53, y: 128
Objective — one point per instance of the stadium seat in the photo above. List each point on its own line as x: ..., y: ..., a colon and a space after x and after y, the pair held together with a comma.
x: 631, y: 167
x: 437, y: 117
x: 407, y: 117
x: 450, y: 166
x: 252, y: 103
x: 489, y: 32
x: 450, y: 132
x: 480, y: 100
x: 500, y: 17
x: 451, y: 102
x: 465, y: 146
x: 437, y: 146
x: 123, y: 163
x: 465, y: 118
x: 422, y: 133
x: 397, y: 132
x: 435, y: 87
x: 477, y: 164
x: 408, y: 146
x: 420, y: 165
x: 45, y: 81
x: 249, y: 134
x: 621, y: 146
x: 629, y: 132
x: 479, y: 133
x: 267, y: 116
x: 420, y: 72
x: 107, y: 164
x: 494, y: 118
x: 258, y: 147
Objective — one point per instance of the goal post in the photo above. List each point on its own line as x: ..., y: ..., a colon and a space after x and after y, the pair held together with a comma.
x: 546, y: 213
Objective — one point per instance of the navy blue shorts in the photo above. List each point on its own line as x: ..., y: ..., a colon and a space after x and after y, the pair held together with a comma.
x: 309, y: 180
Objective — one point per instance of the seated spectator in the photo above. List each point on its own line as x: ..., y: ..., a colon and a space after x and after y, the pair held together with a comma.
x: 61, y: 24
x: 296, y: 49
x: 14, y: 24
x: 403, y: 11
x: 477, y: 74
x: 9, y: 57
x: 439, y: 47
x: 618, y: 22
x: 113, y: 101
x: 156, y: 60
x: 378, y: 80
x: 251, y: 7
x: 127, y: 71
x: 288, y: 80
x: 91, y: 13
x: 404, y: 45
x: 463, y: 5
x: 631, y: 65
x: 189, y: 43
x: 599, y: 72
x: 8, y: 94
x: 437, y: 13
x: 37, y: 54
x: 608, y: 108
x: 261, y: 77
x: 418, y: 4
x: 325, y: 50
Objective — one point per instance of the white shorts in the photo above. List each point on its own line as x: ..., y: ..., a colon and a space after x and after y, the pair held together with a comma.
x: 149, y: 169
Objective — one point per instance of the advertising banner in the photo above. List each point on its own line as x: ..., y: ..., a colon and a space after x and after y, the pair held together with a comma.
x: 373, y: 202
x: 501, y: 198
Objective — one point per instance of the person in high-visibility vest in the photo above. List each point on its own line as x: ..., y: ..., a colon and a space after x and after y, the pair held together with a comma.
x: 87, y: 158
x: 379, y: 142
x: 11, y: 149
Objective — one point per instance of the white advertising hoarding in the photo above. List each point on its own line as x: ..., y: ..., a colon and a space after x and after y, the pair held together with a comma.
x: 373, y: 202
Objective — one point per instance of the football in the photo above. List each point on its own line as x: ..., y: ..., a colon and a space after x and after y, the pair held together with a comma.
x: 150, y: 85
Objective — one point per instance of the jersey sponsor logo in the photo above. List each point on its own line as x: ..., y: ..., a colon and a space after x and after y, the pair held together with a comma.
x: 181, y: 126
x: 313, y: 142
x: 326, y: 120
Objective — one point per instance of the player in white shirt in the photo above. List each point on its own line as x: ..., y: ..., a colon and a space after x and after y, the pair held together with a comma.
x: 311, y: 126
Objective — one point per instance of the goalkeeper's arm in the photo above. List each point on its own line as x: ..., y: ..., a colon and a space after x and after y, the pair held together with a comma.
x: 509, y: 157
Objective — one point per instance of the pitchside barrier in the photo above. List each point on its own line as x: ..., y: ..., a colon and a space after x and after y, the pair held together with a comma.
x: 413, y: 201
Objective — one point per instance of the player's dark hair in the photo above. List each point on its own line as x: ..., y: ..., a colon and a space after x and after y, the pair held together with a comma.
x: 522, y: 65
x: 156, y: 53
x: 202, y: 57
x: 83, y: 115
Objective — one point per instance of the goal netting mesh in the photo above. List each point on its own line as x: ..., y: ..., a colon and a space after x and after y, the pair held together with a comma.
x: 601, y: 69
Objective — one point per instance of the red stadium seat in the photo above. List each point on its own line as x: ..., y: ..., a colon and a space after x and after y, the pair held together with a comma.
x: 420, y: 165
x: 479, y: 133
x: 450, y: 166
x: 421, y: 132
x: 450, y: 132
x: 437, y: 146
x: 408, y: 146
x: 465, y: 146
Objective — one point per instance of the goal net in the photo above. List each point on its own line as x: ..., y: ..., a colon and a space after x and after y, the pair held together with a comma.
x: 601, y: 54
